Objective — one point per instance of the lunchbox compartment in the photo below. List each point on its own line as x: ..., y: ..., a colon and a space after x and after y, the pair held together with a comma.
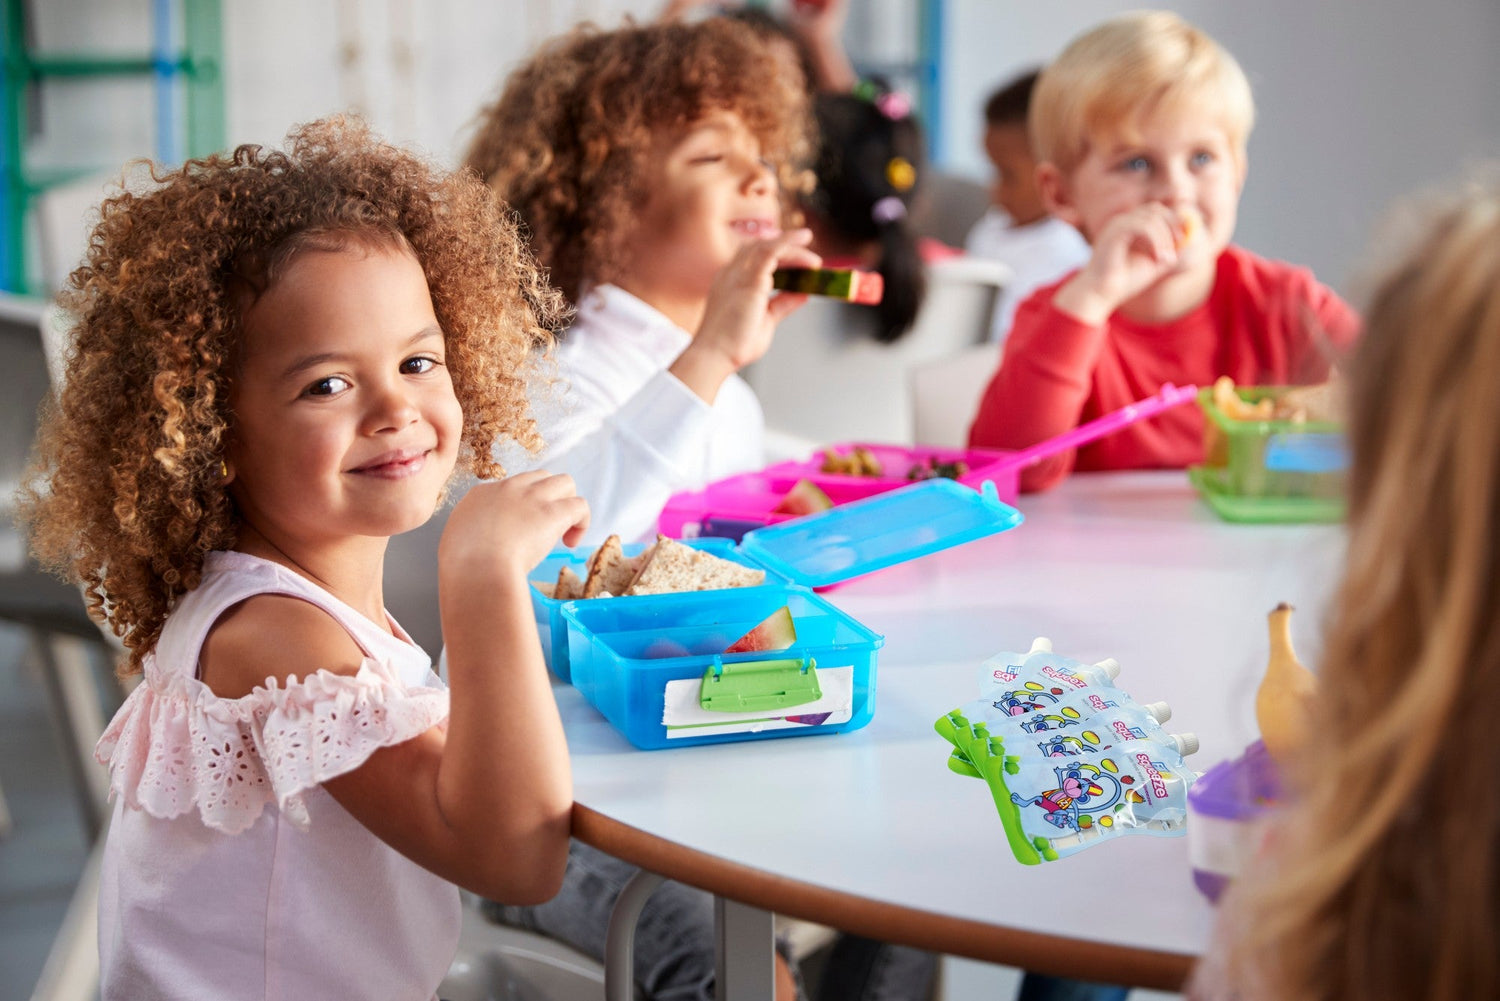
x: 739, y: 503
x: 1272, y: 470
x: 896, y: 461
x: 626, y: 654
x: 548, y: 611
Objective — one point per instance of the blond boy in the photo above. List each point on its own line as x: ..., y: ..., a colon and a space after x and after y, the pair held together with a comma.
x: 1140, y: 128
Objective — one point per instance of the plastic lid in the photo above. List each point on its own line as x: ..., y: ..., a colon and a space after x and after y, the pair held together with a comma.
x: 880, y: 531
x: 1159, y: 711
x: 1186, y: 743
x: 1109, y: 666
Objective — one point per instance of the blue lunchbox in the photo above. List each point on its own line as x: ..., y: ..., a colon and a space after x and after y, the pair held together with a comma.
x: 654, y: 664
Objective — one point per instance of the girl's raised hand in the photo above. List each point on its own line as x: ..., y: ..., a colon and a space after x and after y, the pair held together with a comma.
x: 1132, y: 252
x: 742, y: 311
x: 500, y: 530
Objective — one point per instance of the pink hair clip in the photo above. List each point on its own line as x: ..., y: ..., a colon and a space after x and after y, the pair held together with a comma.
x: 894, y: 105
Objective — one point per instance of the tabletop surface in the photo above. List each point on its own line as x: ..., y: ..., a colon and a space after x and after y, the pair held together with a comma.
x: 1131, y: 566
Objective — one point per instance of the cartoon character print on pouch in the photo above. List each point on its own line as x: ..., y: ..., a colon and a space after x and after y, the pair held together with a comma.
x: 1082, y: 791
x: 1061, y: 745
x: 1030, y: 697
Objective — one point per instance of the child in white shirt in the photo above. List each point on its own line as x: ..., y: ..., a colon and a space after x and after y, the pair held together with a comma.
x: 1018, y: 230
x: 646, y: 164
x: 651, y: 167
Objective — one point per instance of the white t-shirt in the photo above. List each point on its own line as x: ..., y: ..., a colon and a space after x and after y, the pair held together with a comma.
x: 628, y: 431
x: 1038, y: 254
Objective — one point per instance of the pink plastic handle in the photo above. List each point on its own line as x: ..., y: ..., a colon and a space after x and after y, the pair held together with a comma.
x: 1169, y: 397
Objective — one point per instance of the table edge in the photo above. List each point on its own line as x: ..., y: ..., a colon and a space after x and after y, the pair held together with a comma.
x: 1044, y: 953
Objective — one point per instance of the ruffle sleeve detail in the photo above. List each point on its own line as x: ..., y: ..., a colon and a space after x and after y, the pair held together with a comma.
x: 174, y: 746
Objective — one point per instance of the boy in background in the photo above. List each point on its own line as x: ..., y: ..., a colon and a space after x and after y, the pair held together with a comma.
x: 1140, y: 129
x: 1018, y: 230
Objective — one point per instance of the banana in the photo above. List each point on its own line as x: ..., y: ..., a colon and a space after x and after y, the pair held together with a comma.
x: 1284, y: 701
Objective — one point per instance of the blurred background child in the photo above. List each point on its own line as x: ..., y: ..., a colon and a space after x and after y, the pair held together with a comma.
x: 868, y: 172
x: 1376, y: 884
x: 278, y: 360
x: 1140, y: 126
x: 1017, y: 229
x: 646, y: 163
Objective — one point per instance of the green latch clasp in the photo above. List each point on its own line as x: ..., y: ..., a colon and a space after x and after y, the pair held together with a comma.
x: 759, y: 684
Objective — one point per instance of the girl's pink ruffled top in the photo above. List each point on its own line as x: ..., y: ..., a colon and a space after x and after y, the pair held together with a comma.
x: 228, y: 871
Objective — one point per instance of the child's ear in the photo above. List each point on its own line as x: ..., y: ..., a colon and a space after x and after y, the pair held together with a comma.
x: 1054, y: 188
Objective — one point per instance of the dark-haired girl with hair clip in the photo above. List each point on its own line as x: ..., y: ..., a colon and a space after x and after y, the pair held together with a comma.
x: 869, y: 169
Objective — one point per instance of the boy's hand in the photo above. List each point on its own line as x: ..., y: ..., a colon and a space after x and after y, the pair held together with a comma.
x: 500, y: 530
x: 742, y: 311
x: 1132, y: 252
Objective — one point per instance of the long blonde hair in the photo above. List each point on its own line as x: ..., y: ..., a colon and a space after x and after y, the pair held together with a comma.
x: 1382, y: 880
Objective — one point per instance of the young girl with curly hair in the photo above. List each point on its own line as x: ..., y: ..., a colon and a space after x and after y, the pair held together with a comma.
x: 279, y: 359
x: 653, y: 168
x: 648, y: 166
x: 1382, y: 879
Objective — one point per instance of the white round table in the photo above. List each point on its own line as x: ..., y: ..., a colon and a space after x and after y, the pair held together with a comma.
x: 870, y: 832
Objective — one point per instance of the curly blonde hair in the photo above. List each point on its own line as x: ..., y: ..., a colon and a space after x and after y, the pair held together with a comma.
x: 569, y: 140
x: 1383, y: 880
x: 125, y: 492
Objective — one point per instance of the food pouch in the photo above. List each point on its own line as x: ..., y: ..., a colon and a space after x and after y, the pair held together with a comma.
x: 1018, y: 684
x: 1051, y: 808
x: 1041, y: 666
x: 1094, y: 719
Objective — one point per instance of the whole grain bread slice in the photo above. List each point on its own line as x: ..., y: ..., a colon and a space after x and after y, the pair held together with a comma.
x: 672, y: 567
x: 568, y: 585
x: 610, y: 570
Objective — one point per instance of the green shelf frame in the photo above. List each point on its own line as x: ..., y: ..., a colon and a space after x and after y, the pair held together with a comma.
x: 196, y: 66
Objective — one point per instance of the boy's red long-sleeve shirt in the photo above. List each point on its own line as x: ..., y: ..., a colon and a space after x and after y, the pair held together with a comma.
x: 1264, y: 323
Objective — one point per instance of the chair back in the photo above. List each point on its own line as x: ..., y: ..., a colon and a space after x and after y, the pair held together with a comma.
x: 948, y: 207
x: 945, y: 395
x: 825, y: 377
x: 24, y: 360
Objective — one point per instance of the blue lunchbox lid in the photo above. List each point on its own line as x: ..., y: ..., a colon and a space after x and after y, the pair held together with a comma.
x: 880, y: 531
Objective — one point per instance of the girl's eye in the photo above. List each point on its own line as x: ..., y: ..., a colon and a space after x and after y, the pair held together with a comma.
x: 330, y: 386
x: 418, y: 366
x: 1136, y: 163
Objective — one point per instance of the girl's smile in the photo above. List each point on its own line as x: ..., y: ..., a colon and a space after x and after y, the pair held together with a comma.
x: 395, y: 465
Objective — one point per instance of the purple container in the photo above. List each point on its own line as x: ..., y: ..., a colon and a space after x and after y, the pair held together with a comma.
x: 1229, y: 806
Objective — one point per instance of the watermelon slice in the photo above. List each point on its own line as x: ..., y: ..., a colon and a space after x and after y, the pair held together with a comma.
x: 805, y: 497
x: 776, y: 632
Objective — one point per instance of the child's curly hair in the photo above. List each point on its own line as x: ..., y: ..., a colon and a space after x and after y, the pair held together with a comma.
x: 125, y: 492
x: 568, y: 141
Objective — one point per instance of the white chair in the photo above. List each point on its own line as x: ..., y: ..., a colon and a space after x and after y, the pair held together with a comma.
x: 69, y: 647
x: 826, y: 379
x: 945, y: 395
x: 948, y: 207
